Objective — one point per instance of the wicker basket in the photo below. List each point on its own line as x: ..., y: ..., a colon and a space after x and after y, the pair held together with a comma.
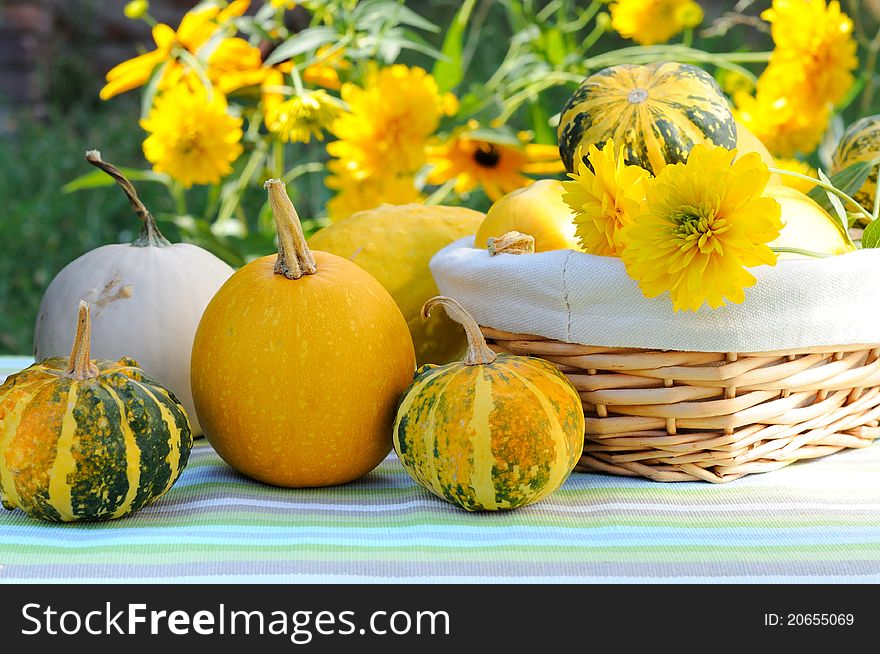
x: 684, y: 416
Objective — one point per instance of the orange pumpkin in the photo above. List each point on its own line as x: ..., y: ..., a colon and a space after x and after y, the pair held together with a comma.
x: 298, y: 363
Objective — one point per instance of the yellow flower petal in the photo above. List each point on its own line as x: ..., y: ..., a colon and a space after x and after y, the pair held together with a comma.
x: 701, y: 226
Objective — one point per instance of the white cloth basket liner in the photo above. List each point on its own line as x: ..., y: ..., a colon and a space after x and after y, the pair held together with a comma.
x: 587, y: 299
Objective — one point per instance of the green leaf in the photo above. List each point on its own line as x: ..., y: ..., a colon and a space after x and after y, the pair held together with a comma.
x: 554, y: 46
x: 849, y: 180
x: 151, y: 88
x: 310, y: 38
x: 541, y: 123
x: 835, y: 202
x: 100, y: 179
x: 373, y: 13
x: 871, y: 236
x: 189, y: 59
x: 450, y: 71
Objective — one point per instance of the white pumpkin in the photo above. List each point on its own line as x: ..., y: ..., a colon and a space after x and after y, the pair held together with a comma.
x: 146, y: 300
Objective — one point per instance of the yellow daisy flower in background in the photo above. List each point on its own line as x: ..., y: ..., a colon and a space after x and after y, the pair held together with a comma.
x: 236, y: 64
x: 195, y: 30
x: 815, y: 51
x: 302, y: 116
x: 192, y: 138
x: 359, y: 194
x: 797, y: 166
x: 810, y: 70
x: 389, y: 121
x: 325, y: 71
x: 654, y: 21
x: 702, y: 225
x: 495, y: 167
x: 604, y: 199
x: 283, y: 4
x: 784, y: 126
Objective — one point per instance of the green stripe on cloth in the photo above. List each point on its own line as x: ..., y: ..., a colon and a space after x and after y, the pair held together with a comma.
x: 811, y: 522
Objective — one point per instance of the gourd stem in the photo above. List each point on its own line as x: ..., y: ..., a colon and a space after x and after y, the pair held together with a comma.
x: 81, y: 366
x: 294, y: 257
x: 478, y: 352
x: 150, y: 234
x: 511, y: 243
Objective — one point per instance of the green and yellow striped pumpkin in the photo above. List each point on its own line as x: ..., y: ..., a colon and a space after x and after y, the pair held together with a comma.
x: 860, y: 142
x: 658, y: 112
x: 492, y: 432
x: 88, y: 440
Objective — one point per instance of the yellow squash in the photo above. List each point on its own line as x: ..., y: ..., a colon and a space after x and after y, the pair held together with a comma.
x: 395, y: 244
x: 806, y: 225
x: 538, y: 210
x: 298, y: 363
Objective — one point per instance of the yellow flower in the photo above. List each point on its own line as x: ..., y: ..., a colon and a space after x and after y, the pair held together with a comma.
x: 815, y: 51
x: 702, y: 225
x: 136, y: 9
x: 302, y: 116
x: 797, y: 166
x: 235, y: 64
x: 192, y: 138
x: 284, y: 4
x: 358, y: 194
x: 195, y: 30
x: 389, y: 123
x: 784, y: 125
x: 325, y: 71
x: 497, y: 168
x: 810, y: 70
x: 604, y: 199
x: 654, y: 21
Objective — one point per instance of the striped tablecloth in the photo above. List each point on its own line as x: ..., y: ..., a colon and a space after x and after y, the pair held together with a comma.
x: 810, y: 522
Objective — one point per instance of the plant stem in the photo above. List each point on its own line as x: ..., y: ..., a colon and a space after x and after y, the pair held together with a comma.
x: 441, y: 193
x: 870, y: 72
x: 294, y: 257
x: 827, y: 187
x: 687, y: 37
x: 150, y: 234
x: 179, y: 195
x: 478, y: 352
x: 806, y: 253
x: 80, y: 365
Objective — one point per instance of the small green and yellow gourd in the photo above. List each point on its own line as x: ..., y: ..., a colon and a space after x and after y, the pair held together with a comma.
x: 656, y: 113
x: 88, y: 440
x: 495, y: 431
x: 860, y: 142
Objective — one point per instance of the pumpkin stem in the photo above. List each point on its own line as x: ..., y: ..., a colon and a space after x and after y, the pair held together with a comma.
x: 478, y: 352
x: 511, y: 243
x: 294, y: 257
x: 150, y: 234
x: 81, y: 365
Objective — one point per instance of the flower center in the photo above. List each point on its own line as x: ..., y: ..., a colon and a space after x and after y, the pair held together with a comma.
x: 487, y: 155
x: 700, y: 226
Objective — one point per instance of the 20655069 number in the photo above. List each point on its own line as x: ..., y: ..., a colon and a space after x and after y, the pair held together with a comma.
x: 809, y: 619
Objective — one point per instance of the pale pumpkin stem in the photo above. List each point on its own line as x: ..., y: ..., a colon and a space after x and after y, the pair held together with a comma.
x: 294, y: 257
x: 512, y: 243
x: 478, y: 352
x: 150, y: 234
x: 81, y: 366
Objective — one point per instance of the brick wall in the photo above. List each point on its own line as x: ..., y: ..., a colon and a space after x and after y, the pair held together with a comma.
x: 46, y: 44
